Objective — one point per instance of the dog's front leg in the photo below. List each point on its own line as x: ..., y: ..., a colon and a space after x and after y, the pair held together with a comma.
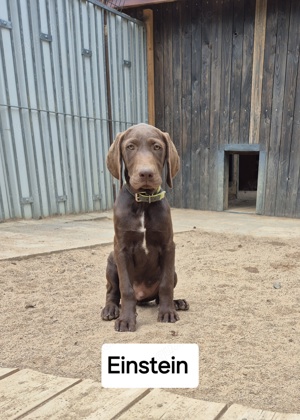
x: 167, y: 312
x: 127, y: 318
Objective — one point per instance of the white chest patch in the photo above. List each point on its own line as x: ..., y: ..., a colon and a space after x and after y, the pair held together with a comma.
x: 143, y: 230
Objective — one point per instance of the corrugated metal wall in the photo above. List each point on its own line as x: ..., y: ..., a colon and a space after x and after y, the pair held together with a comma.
x: 63, y: 97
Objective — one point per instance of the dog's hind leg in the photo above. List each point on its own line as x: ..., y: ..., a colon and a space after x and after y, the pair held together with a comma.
x: 111, y: 308
x: 180, y: 304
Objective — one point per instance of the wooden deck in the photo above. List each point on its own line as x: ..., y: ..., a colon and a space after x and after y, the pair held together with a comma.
x: 27, y: 394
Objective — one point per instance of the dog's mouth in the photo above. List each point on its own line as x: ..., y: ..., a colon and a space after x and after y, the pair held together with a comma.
x: 146, y: 186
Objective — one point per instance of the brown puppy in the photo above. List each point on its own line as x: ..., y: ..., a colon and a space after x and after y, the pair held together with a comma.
x: 141, y: 267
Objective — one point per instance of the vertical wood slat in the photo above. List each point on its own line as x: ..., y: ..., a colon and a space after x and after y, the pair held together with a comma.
x: 196, y: 150
x: 247, y: 73
x: 236, y: 70
x: 226, y: 63
x: 205, y: 87
x: 277, y: 106
x: 159, y: 68
x: 289, y: 112
x: 292, y: 207
x: 186, y: 133
x: 257, y: 69
x: 168, y: 70
x: 148, y: 19
x: 215, y: 94
x: 176, y: 116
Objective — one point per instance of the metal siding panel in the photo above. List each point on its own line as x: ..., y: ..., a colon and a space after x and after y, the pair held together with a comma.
x: 27, y: 99
x: 113, y: 66
x: 5, y: 204
x: 89, y: 88
x: 129, y: 91
x: 12, y: 122
x: 80, y: 106
x: 54, y: 128
x: 144, y: 75
x: 103, y: 141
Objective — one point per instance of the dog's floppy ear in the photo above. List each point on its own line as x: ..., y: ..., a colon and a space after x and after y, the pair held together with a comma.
x: 114, y: 158
x: 172, y: 159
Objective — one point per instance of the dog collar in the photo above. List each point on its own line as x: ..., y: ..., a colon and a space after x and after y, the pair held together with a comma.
x: 143, y: 197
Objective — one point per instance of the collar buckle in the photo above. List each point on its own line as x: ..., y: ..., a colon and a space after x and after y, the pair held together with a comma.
x: 137, y: 197
x: 143, y: 197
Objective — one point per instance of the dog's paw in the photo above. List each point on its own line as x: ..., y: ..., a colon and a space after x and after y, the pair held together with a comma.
x: 110, y: 311
x: 181, y: 305
x: 125, y: 324
x: 167, y: 316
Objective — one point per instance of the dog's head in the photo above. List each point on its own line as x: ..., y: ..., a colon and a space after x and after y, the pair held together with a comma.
x: 144, y: 150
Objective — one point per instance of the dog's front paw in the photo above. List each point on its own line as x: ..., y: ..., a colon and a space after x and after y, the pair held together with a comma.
x: 110, y: 311
x: 169, y: 315
x: 181, y: 305
x: 126, y: 323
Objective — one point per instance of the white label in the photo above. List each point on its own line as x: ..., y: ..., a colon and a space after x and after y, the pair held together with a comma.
x: 150, y: 365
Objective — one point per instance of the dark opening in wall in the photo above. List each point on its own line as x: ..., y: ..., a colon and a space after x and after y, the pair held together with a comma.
x: 248, y: 172
x: 243, y: 176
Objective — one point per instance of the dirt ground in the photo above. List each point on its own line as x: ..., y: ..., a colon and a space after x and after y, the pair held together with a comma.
x: 244, y: 314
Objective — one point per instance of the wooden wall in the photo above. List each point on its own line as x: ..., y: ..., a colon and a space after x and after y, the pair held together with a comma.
x: 227, y: 77
x: 280, y: 116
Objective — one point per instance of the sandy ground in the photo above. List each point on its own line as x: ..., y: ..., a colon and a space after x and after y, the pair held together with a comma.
x: 244, y: 314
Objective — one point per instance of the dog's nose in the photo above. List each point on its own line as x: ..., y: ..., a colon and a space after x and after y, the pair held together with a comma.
x: 146, y: 174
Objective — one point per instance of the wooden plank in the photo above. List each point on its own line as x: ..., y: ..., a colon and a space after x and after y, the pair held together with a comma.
x: 159, y: 69
x: 177, y: 86
x: 186, y: 101
x: 283, y: 206
x: 268, y: 74
x: 261, y: 183
x: 205, y: 87
x: 4, y: 372
x: 240, y: 412
x: 293, y: 193
x: 159, y: 404
x: 236, y: 70
x: 88, y: 400
x: 266, y: 97
x: 223, y: 180
x: 168, y: 69
x: 283, y: 416
x: 277, y: 105
x: 243, y: 148
x: 215, y: 90
x: 139, y: 3
x: 227, y: 13
x: 148, y: 19
x: 247, y: 57
x: 195, y: 143
x: 292, y: 208
x: 257, y: 69
x: 27, y: 389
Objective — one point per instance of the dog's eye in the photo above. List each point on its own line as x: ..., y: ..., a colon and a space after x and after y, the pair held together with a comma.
x: 157, y: 147
x: 130, y: 146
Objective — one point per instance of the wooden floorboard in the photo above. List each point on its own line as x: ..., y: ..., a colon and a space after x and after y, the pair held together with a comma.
x: 27, y: 389
x: 88, y: 400
x: 31, y: 395
x: 240, y: 412
x: 159, y: 404
x: 4, y: 372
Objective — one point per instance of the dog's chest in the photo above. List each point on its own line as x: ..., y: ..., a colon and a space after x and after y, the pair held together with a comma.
x: 142, y: 229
